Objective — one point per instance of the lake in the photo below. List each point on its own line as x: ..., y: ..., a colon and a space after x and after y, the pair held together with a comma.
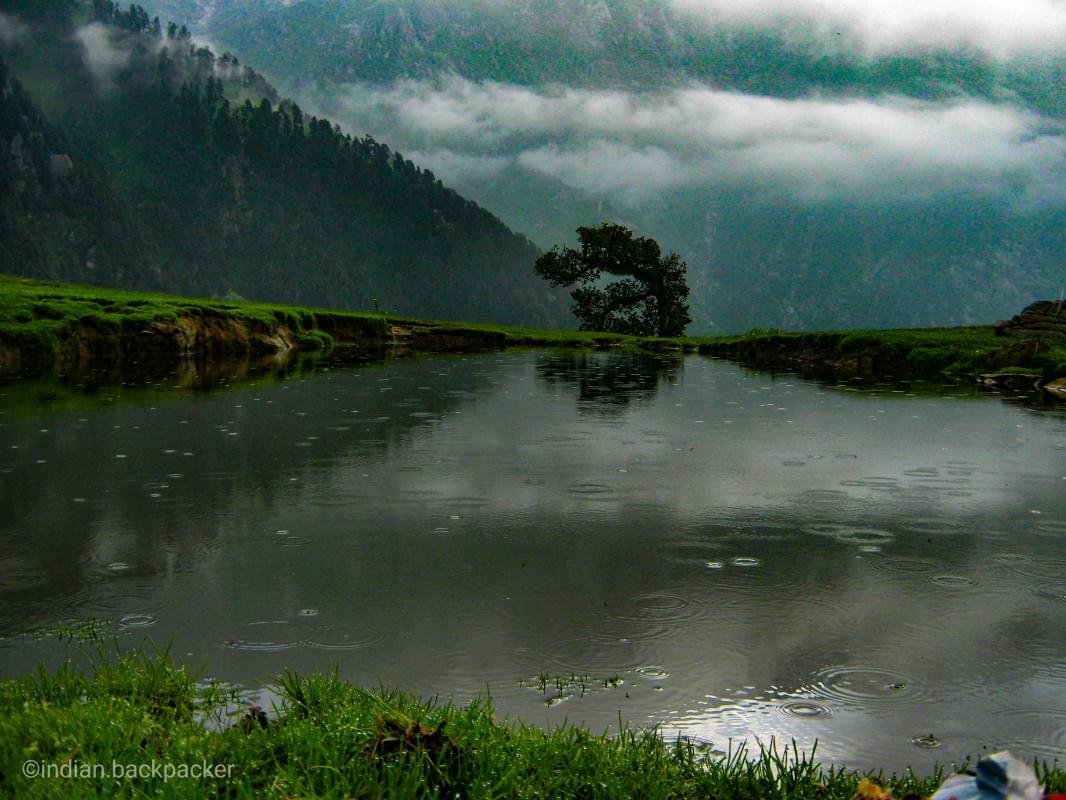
x: 589, y: 537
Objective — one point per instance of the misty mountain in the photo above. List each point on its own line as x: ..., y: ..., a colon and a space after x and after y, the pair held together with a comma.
x: 818, y: 164
x: 132, y: 156
x: 638, y: 44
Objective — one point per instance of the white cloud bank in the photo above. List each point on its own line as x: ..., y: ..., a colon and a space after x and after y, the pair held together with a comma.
x: 634, y: 146
x: 103, y: 57
x: 11, y: 30
x: 1001, y: 27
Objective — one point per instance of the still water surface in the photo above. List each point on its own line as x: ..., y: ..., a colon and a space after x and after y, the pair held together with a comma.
x: 752, y: 556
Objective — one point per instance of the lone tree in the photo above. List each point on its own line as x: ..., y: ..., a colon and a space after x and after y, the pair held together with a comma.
x: 651, y: 299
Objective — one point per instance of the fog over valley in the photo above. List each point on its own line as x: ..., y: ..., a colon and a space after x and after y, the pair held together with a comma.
x: 817, y: 164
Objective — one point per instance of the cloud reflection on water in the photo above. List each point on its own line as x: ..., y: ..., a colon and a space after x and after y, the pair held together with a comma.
x: 697, y: 529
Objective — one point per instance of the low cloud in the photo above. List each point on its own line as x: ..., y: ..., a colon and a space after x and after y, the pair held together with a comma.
x: 1003, y: 29
x: 450, y: 163
x: 11, y: 30
x: 633, y: 146
x: 104, y: 57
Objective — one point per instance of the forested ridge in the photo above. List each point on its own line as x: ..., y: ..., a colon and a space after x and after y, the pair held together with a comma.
x: 834, y: 165
x: 131, y: 156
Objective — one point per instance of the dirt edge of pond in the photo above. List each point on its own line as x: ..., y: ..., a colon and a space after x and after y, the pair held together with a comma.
x: 206, y: 334
x: 1031, y: 364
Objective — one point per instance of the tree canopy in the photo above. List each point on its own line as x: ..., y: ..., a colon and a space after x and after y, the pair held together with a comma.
x: 651, y: 299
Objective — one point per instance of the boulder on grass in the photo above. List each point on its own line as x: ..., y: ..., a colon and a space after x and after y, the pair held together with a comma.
x: 1044, y: 319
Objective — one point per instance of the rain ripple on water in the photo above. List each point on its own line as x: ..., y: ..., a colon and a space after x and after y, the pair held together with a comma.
x: 342, y: 636
x: 1051, y: 591
x: 593, y: 491
x: 805, y: 709
x: 852, y: 535
x: 860, y: 686
x: 267, y: 636
x: 280, y: 634
x: 136, y: 621
x: 905, y: 565
x: 1045, y: 731
x: 953, y: 581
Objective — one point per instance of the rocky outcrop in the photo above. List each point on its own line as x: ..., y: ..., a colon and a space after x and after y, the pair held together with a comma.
x: 1042, y: 319
x: 1017, y: 381
x: 1056, y: 388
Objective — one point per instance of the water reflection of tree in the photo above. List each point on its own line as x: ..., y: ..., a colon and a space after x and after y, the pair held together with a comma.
x: 608, y: 382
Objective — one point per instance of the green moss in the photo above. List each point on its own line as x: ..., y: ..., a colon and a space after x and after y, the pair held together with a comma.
x: 315, y: 340
x: 930, y: 360
x: 1014, y: 370
x: 284, y: 316
x: 47, y: 311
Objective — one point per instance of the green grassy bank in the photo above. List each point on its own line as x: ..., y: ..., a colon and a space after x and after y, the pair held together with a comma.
x: 44, y: 323
x: 79, y: 734
x: 917, y: 352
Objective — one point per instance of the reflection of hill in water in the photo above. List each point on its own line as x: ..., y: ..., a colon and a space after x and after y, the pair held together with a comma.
x: 195, y: 374
x: 99, y: 469
x: 83, y: 386
x: 608, y: 382
x: 149, y: 472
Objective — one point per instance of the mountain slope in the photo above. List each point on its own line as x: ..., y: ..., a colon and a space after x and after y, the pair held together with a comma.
x: 818, y: 164
x: 158, y: 164
x: 633, y: 43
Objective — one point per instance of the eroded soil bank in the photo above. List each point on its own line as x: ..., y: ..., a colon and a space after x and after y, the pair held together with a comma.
x: 960, y: 353
x: 45, y: 326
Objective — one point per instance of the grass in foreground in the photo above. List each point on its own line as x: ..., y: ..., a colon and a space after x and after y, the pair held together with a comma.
x: 140, y: 711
